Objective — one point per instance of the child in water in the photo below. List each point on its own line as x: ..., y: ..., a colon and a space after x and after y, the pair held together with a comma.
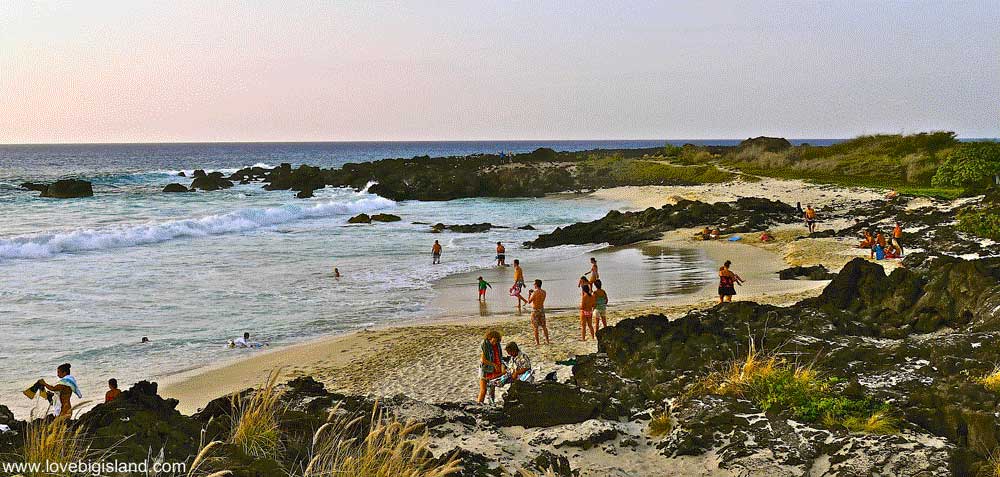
x: 483, y: 285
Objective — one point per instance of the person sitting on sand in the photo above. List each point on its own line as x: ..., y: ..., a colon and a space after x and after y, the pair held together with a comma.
x: 587, y: 304
x: 65, y: 388
x: 594, y: 276
x: 891, y: 253
x: 490, y: 362
x: 483, y: 285
x: 600, y: 306
x: 766, y: 237
x: 727, y: 282
x: 436, y: 253
x: 715, y: 233
x: 501, y: 255
x: 519, y: 367
x: 868, y: 240
x: 810, y: 216
x: 880, y: 240
x: 113, y: 391
x: 878, y: 252
x: 897, y: 236
x: 536, y: 298
x: 515, y: 291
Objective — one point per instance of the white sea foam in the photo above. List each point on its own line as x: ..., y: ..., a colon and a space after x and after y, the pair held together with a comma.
x: 189, y: 172
x: 49, y: 244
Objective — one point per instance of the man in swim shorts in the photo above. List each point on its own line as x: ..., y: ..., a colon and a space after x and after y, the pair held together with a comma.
x: 810, y: 218
x: 501, y: 255
x: 436, y: 252
x: 518, y: 283
x: 536, y: 298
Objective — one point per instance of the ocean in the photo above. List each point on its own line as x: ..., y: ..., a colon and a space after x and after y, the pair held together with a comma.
x: 83, y: 280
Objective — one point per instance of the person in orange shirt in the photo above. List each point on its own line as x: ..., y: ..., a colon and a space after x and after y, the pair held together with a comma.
x: 436, y: 252
x: 587, y: 304
x: 810, y: 218
x: 113, y: 391
x: 897, y: 235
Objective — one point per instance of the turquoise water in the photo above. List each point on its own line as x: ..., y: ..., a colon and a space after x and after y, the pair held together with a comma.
x: 85, y: 279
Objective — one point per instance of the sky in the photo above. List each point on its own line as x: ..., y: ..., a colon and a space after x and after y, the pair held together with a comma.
x: 179, y: 71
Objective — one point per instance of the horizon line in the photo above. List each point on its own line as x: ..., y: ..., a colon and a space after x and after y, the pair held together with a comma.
x: 371, y: 141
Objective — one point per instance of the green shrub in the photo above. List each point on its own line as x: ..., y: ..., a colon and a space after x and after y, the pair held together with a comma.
x: 773, y: 384
x: 972, y: 166
x: 981, y: 223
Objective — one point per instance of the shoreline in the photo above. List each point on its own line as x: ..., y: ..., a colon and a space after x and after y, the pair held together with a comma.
x: 434, y: 358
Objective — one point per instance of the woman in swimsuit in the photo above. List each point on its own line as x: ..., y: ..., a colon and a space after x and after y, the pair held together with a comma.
x: 600, y: 306
x: 727, y: 282
x: 587, y: 303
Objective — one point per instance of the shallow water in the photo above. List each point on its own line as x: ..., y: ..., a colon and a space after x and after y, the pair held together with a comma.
x: 84, y: 279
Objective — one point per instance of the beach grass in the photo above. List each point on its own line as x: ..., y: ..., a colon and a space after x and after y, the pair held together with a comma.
x: 53, y: 441
x: 772, y: 383
x: 660, y: 425
x: 383, y: 446
x: 255, y: 419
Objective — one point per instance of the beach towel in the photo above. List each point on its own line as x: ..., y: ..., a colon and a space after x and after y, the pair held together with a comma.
x: 70, y: 381
x: 734, y: 238
x: 515, y: 290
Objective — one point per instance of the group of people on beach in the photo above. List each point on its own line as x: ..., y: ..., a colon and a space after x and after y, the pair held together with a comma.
x: 59, y: 395
x: 881, y: 248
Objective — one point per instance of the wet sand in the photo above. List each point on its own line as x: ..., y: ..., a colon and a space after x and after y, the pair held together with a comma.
x: 437, y: 360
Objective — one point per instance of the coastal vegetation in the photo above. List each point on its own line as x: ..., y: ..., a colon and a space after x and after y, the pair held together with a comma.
x: 774, y: 384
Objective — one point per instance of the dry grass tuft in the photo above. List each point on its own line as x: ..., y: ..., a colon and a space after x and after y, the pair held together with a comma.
x: 53, y: 440
x: 877, y: 423
x: 255, y: 420
x: 385, y: 447
x: 991, y: 380
x: 660, y: 425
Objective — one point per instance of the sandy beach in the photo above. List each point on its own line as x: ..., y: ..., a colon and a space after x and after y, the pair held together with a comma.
x: 437, y: 360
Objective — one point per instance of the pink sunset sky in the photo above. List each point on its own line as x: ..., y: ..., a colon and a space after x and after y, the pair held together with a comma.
x: 337, y: 71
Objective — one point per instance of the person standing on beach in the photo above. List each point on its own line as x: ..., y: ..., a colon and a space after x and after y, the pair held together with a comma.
x: 594, y: 276
x: 587, y: 304
x: 65, y: 389
x: 515, y: 290
x: 436, y: 253
x: 490, y: 362
x: 897, y: 235
x: 501, y: 255
x: 483, y: 285
x: 727, y: 282
x: 536, y: 298
x: 600, y: 306
x: 810, y: 216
